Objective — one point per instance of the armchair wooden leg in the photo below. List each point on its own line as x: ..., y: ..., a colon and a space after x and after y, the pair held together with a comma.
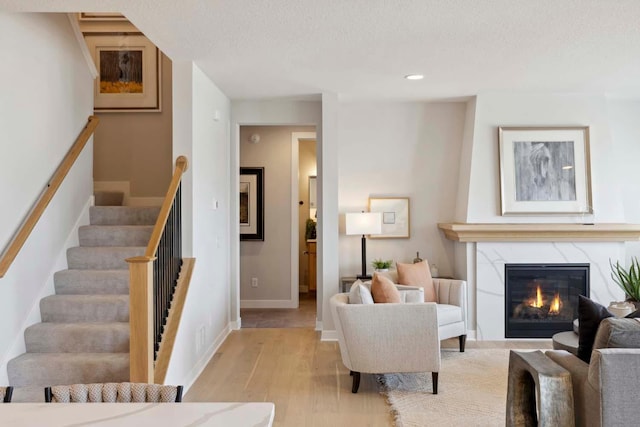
x: 350, y: 373
x: 463, y: 340
x: 356, y: 382
x: 434, y: 380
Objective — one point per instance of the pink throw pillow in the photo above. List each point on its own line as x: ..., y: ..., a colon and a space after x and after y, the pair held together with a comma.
x: 418, y: 275
x: 383, y: 290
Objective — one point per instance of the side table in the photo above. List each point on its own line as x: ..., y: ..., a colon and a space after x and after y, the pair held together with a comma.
x: 346, y: 282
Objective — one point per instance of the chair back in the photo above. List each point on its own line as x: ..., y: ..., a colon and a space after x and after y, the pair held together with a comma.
x: 5, y: 394
x: 382, y: 338
x: 113, y: 392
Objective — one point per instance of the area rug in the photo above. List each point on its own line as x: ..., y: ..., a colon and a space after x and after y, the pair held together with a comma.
x: 472, y: 391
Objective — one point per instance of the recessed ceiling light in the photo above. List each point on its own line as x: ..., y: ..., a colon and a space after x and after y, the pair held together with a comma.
x: 414, y: 77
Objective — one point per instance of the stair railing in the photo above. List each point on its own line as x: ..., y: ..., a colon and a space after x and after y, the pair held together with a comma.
x: 152, y: 281
x: 24, y: 230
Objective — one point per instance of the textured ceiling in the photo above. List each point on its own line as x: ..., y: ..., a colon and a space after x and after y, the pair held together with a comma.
x: 361, y: 49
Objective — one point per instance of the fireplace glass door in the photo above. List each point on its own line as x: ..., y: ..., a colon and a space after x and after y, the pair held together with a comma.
x: 542, y: 299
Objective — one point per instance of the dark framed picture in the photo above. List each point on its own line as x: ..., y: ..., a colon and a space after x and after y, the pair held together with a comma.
x: 251, y: 204
x: 129, y: 72
x: 545, y: 170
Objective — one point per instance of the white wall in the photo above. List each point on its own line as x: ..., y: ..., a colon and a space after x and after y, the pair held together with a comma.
x: 275, y: 112
x: 204, y: 140
x: 47, y: 96
x: 270, y: 260
x: 625, y: 131
x: 404, y: 150
x: 494, y: 110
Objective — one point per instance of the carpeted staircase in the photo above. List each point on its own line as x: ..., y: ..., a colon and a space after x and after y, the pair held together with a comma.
x: 84, y: 334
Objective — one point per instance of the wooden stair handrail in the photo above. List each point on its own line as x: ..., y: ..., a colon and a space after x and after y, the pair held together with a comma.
x: 20, y: 237
x: 181, y: 167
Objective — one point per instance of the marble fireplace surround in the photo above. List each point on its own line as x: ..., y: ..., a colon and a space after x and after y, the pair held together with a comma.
x: 484, y: 249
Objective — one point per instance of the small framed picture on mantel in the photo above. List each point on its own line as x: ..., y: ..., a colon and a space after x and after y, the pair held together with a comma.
x: 545, y: 170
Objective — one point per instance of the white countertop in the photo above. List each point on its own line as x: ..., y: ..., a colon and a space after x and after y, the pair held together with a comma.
x: 137, y: 414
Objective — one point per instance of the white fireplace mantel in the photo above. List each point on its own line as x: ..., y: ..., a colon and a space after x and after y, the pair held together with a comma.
x: 540, y: 232
x: 484, y: 250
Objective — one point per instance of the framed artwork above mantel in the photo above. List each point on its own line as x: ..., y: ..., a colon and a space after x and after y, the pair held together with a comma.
x: 545, y: 170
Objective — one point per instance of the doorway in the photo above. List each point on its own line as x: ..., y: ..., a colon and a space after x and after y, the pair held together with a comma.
x: 275, y: 269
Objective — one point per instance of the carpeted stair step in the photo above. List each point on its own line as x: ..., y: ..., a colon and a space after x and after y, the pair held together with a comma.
x: 102, y: 258
x: 108, y: 198
x: 84, y: 282
x: 84, y: 308
x: 115, y: 235
x: 49, y: 337
x: 46, y: 369
x: 123, y: 215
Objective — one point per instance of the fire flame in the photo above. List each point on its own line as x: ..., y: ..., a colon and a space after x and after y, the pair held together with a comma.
x: 537, y: 302
x: 556, y: 305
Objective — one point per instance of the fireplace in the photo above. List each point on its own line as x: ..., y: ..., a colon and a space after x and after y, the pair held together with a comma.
x: 542, y: 299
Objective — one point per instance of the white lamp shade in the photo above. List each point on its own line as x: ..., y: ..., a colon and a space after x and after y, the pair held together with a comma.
x: 363, y: 223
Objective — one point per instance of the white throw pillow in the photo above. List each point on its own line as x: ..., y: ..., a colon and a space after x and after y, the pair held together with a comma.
x: 360, y: 294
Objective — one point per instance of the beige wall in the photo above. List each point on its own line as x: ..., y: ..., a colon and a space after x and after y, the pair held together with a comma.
x: 307, y: 167
x: 136, y: 147
x: 269, y: 261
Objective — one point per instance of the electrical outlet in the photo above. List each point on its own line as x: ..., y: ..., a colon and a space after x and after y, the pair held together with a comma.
x: 254, y: 282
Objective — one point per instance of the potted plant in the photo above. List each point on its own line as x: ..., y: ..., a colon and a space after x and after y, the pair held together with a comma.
x: 628, y: 279
x: 381, y: 265
x: 310, y: 230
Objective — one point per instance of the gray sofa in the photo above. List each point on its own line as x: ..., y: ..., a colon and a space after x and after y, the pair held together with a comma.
x: 605, y: 390
x: 602, y: 393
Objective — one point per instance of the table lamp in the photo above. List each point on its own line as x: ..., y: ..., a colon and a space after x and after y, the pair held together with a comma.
x: 363, y: 223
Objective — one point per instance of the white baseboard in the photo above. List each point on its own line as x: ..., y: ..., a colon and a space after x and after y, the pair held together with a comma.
x: 318, y: 325
x: 329, y: 336
x: 273, y: 303
x: 236, y: 325
x: 206, y: 357
x: 472, y: 335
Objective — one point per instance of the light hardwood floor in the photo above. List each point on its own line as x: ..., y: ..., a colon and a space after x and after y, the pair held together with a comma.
x: 303, y: 376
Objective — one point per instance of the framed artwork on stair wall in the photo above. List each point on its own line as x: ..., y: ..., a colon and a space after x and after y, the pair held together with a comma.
x: 129, y: 72
x: 252, y: 204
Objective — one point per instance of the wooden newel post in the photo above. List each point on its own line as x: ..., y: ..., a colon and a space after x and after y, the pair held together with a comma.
x: 141, y: 319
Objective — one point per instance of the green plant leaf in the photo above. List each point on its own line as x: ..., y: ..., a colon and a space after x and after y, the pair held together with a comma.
x: 627, y: 279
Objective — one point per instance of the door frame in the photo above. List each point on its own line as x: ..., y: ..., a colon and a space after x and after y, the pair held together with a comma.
x: 296, y: 137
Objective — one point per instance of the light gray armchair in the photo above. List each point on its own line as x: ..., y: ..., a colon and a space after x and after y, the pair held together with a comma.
x: 387, y: 338
x: 452, y: 309
x: 451, y: 295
